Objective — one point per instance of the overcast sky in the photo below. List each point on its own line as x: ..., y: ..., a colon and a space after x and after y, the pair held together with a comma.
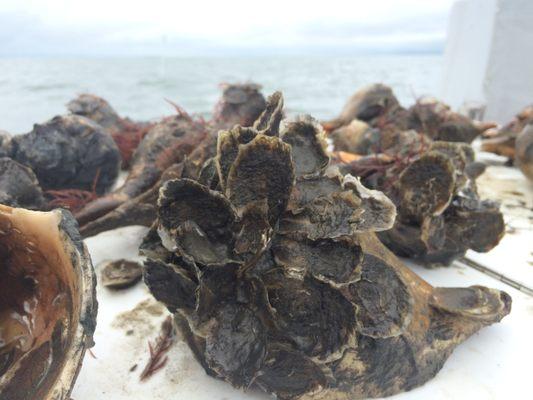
x: 201, y: 27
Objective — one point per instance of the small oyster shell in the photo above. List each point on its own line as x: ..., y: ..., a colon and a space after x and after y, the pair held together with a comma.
x: 121, y: 274
x: 366, y: 105
x: 46, y: 267
x: 427, y: 186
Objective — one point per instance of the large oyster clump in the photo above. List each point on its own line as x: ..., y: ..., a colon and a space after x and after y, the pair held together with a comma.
x: 47, y: 304
x: 277, y: 280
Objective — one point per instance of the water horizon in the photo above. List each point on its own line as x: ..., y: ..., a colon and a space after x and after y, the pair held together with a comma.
x: 34, y: 89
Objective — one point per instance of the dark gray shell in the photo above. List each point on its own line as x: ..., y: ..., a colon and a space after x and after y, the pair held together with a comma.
x: 19, y: 186
x: 69, y: 152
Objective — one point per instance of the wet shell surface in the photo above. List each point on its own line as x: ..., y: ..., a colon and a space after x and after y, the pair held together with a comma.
x: 47, y: 304
x: 277, y: 280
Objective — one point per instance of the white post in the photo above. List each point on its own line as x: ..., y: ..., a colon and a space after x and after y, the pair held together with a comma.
x: 489, y: 57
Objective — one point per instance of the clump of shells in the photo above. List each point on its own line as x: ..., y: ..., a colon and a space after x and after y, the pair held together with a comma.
x: 440, y: 213
x: 277, y: 280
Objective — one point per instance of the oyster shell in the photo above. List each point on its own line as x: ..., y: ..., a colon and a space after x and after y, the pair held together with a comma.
x: 96, y: 109
x: 436, y: 120
x: 19, y: 186
x: 281, y: 283
x: 126, y: 133
x: 367, y: 104
x: 121, y: 274
x: 176, y: 143
x: 47, y: 304
x: 373, y: 121
x: 69, y: 152
x: 503, y: 141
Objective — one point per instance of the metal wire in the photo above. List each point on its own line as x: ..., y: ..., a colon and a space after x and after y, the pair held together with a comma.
x: 496, y: 275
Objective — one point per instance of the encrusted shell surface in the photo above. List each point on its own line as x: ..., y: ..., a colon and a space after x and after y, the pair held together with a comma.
x: 278, y: 281
x: 69, y: 152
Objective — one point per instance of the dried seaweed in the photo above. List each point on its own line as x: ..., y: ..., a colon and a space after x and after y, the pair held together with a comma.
x: 158, y: 357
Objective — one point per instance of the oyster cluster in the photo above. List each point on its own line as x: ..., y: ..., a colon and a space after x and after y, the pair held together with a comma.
x: 440, y: 213
x: 68, y: 152
x: 270, y: 263
x: 180, y: 142
x: 420, y: 158
x: 373, y: 117
x: 47, y: 304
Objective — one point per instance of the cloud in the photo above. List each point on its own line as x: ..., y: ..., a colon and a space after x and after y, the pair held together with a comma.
x: 106, y: 27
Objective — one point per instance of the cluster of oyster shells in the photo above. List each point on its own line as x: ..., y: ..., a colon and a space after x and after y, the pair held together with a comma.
x: 427, y: 168
x: 267, y: 256
x: 272, y: 268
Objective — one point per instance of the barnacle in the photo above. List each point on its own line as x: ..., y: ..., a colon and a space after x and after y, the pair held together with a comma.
x: 47, y: 304
x: 69, y: 152
x: 277, y: 280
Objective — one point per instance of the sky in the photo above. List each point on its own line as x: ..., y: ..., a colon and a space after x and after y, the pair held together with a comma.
x: 223, y: 27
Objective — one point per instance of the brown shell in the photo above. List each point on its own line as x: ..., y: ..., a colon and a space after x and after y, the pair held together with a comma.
x: 45, y: 265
